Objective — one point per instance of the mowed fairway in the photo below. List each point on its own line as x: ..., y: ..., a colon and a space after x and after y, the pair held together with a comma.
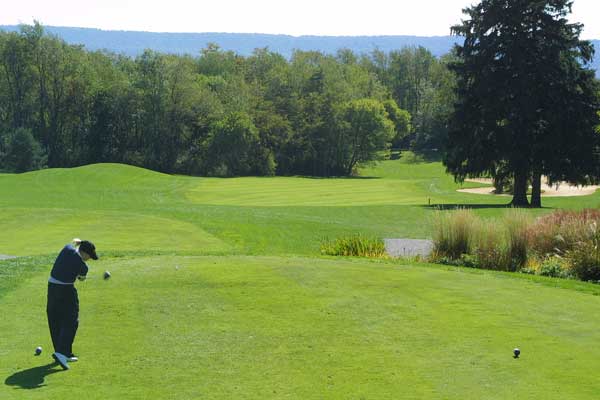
x: 218, y: 292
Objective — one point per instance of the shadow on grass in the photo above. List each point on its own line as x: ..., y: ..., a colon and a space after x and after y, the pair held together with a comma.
x: 445, y: 207
x: 317, y: 177
x: 32, y: 378
x: 357, y: 177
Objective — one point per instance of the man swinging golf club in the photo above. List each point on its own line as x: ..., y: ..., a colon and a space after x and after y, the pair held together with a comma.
x: 63, y: 303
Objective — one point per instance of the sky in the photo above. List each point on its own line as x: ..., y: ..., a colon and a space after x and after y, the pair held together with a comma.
x: 291, y: 17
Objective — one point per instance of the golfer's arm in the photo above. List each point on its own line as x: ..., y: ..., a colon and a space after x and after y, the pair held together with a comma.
x: 83, y: 273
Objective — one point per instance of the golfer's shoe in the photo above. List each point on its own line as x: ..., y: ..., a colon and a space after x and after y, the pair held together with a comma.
x: 72, y: 358
x: 61, y: 359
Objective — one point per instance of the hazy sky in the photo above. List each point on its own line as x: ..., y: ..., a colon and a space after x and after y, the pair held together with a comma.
x: 292, y: 17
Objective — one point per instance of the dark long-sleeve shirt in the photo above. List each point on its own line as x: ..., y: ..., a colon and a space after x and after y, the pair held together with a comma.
x: 68, y: 265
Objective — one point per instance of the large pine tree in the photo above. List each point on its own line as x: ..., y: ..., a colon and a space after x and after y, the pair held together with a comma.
x: 527, y: 101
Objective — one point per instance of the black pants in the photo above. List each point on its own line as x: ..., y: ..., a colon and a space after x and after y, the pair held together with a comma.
x: 63, y: 316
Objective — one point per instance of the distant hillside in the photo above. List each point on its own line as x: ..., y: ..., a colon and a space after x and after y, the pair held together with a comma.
x: 134, y: 43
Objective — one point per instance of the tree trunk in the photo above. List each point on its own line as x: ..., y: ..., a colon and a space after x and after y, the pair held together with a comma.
x: 536, y: 190
x: 520, y: 190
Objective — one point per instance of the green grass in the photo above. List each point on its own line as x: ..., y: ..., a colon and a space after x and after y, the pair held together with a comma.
x: 253, y: 311
x: 273, y: 327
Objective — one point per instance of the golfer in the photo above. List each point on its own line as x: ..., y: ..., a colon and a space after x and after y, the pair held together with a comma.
x: 63, y: 303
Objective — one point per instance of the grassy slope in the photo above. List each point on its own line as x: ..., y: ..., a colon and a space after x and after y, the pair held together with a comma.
x: 248, y: 326
x: 262, y: 216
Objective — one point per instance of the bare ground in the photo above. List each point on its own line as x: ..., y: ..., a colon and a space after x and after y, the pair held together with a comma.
x: 562, y: 189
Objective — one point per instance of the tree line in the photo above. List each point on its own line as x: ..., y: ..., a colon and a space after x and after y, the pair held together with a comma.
x: 217, y: 113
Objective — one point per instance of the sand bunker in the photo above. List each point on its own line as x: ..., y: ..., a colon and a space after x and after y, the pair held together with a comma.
x: 563, y: 189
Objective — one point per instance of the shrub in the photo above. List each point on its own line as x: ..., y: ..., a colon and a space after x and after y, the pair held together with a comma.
x: 452, y: 233
x: 584, y: 258
x: 556, y: 267
x: 562, y: 244
x: 558, y: 232
x: 355, y: 245
x: 23, y: 152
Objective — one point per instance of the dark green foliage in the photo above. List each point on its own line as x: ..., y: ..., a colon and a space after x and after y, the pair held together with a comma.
x: 401, y: 120
x: 233, y: 148
x: 365, y: 130
x: 527, y: 104
x: 22, y: 152
x: 219, y: 113
x: 554, y: 267
x: 423, y: 86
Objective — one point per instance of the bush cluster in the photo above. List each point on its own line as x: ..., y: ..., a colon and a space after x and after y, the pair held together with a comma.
x: 355, y: 245
x: 563, y: 244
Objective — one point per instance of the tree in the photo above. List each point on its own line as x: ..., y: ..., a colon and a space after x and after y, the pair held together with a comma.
x: 420, y: 84
x: 520, y: 68
x: 151, y: 84
x: 401, y: 119
x: 437, y: 102
x: 23, y: 152
x: 233, y: 148
x: 112, y: 106
x: 18, y: 80
x: 321, y: 87
x: 367, y: 131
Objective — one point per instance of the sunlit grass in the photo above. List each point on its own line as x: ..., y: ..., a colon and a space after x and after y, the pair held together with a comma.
x: 225, y: 276
x: 290, y: 327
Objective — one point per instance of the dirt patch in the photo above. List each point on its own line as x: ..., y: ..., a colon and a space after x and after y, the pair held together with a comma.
x: 563, y: 189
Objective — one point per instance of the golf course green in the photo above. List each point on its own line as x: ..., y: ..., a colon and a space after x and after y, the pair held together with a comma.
x: 219, y: 291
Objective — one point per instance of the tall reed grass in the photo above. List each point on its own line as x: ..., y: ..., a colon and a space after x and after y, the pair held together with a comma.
x: 560, y: 231
x: 452, y: 233
x: 563, y: 243
x: 585, y: 255
x: 517, y: 222
x: 500, y: 244
x: 489, y: 247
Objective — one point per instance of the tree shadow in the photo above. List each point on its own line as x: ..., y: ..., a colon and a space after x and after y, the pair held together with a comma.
x: 350, y: 177
x: 32, y: 378
x: 444, y: 207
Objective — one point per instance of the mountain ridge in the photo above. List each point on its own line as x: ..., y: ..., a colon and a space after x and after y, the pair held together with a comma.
x: 133, y: 43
